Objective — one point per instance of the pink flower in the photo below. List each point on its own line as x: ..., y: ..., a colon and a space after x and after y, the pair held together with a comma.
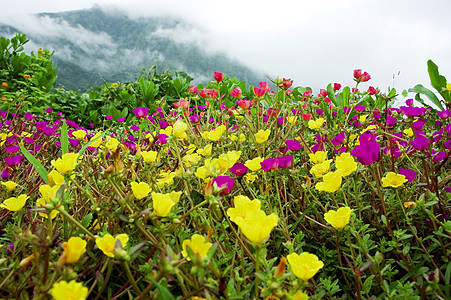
x: 193, y: 89
x: 48, y: 110
x: 322, y: 93
x: 259, y: 92
x: 236, y: 92
x: 140, y: 112
x: 286, y: 83
x: 337, y: 86
x: 264, y: 85
x: 244, y: 104
x: 225, y: 183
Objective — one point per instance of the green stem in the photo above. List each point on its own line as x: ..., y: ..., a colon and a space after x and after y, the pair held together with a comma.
x: 130, y: 277
x: 75, y: 222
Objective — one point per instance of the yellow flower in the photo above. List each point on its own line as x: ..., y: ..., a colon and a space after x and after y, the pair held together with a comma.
x: 256, y: 225
x: 15, y: 204
x: 304, y: 265
x: 206, y: 151
x: 179, y: 129
x: 10, y: 185
x: 409, y: 204
x: 191, y: 159
x: 215, y: 134
x: 318, y: 157
x: 231, y: 157
x: 243, y: 205
x: 191, y: 148
x: 55, y: 178
x: 149, y: 156
x: 262, y: 136
x: 362, y: 118
x: 140, y: 190
x: 165, y: 178
x: 41, y: 202
x: 315, y: 124
x: 167, y: 131
x: 66, y: 164
x: 108, y: 242
x: 162, y: 203
x: 73, y: 250
x: 292, y: 119
x: 233, y: 137
x: 64, y: 290
x: 300, y: 295
x: 250, y: 176
x: 79, y: 134
x: 112, y: 143
x: 242, y: 137
x: 346, y: 164
x: 393, y: 180
x: 370, y: 127
x: 331, y: 182
x: 408, y: 132
x: 203, y: 172
x: 198, y: 245
x: 48, y: 192
x: 448, y: 86
x: 320, y: 169
x: 98, y: 140
x: 254, y: 164
x: 338, y: 219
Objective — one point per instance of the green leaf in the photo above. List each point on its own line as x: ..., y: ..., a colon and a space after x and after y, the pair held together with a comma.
x: 164, y: 292
x: 447, y: 281
x: 392, y: 93
x: 36, y: 164
x: 89, y: 144
x: 64, y: 138
x: 331, y: 94
x: 419, y: 89
x: 86, y: 220
x: 438, y: 82
x: 345, y: 94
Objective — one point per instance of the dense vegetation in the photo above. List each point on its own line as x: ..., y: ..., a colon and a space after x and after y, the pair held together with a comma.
x: 160, y: 189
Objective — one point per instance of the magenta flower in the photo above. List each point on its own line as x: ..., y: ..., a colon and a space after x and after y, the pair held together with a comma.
x: 367, y: 152
x: 270, y: 164
x: 48, y: 110
x: 391, y: 121
x: 338, y: 139
x: 6, y: 172
x: 74, y: 142
x: 12, y: 149
x: 225, y: 183
x: 120, y: 120
x: 445, y: 114
x: 285, y: 161
x: 359, y: 108
x: 194, y: 118
x: 13, y: 160
x: 28, y: 140
x: 421, y: 143
x: 141, y: 112
x: 162, y: 138
x: 163, y: 124
x: 108, y: 117
x: 293, y: 145
x: 238, y: 169
x: 438, y: 156
x: 28, y: 116
x: 412, y: 111
x: 134, y: 127
x: 409, y: 174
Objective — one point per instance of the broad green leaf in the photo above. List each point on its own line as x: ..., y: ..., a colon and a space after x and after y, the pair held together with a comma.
x: 345, y: 94
x: 419, y: 89
x: 36, y: 163
x: 438, y: 82
x: 64, y: 138
x: 392, y: 93
x: 331, y: 94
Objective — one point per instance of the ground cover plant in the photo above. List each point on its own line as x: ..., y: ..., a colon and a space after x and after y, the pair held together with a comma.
x: 223, y: 191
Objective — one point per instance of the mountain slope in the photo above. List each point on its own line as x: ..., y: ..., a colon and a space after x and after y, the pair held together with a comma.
x: 94, y: 44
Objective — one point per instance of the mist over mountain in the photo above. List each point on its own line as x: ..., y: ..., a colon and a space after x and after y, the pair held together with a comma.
x: 106, y: 43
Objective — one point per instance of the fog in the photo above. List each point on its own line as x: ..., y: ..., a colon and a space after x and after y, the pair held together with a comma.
x: 312, y: 42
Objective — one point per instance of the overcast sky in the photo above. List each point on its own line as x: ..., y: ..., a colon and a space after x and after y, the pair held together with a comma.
x: 312, y: 42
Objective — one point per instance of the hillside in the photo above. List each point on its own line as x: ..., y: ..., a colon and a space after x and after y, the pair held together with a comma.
x: 94, y: 44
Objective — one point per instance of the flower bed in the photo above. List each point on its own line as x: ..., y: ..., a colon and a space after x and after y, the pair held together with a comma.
x: 284, y: 195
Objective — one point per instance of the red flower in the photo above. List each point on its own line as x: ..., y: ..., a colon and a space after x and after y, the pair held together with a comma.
x: 322, y: 93
x: 372, y: 91
x: 264, y: 85
x: 193, y: 89
x: 218, y: 76
x: 286, y: 83
x: 337, y: 86
x: 244, y: 104
x: 307, y: 117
